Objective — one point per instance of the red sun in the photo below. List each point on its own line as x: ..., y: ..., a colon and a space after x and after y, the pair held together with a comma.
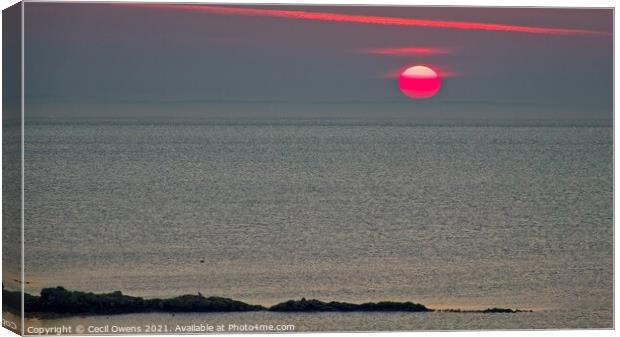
x: 419, y: 82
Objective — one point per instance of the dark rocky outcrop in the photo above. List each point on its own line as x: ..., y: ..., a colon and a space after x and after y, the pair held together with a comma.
x: 502, y: 311
x: 304, y: 305
x: 11, y: 301
x: 60, y: 301
x: 198, y: 303
x: 486, y: 311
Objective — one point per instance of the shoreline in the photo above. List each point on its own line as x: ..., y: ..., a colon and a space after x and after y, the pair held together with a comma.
x: 59, y: 302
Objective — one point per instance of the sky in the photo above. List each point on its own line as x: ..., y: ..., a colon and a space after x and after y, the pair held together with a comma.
x: 149, y: 61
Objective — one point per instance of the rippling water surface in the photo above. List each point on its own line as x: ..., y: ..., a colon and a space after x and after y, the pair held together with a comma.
x: 449, y: 216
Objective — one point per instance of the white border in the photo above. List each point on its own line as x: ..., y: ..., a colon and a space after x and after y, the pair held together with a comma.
x: 23, y: 201
x: 485, y: 3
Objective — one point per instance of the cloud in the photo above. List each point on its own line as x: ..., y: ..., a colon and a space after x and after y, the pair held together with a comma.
x: 406, y: 51
x: 370, y: 19
x: 441, y: 70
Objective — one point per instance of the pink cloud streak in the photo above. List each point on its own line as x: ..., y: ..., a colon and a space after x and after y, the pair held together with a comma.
x: 406, y: 51
x: 442, y: 71
x: 370, y: 19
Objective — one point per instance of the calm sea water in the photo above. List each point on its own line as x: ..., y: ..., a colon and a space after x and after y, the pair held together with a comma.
x: 449, y: 216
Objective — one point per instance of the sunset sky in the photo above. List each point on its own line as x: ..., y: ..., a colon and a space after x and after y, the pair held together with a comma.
x: 205, y: 61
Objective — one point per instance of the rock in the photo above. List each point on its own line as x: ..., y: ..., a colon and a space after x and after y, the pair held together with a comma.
x: 62, y: 301
x: 194, y: 303
x: 304, y: 305
x: 503, y: 311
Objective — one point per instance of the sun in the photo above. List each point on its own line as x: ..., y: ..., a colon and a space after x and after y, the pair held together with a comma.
x: 419, y: 82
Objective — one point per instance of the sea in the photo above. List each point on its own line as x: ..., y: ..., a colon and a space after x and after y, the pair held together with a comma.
x: 449, y: 214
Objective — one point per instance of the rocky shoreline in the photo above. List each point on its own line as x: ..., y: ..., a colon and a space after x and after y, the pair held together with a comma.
x: 60, y: 301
